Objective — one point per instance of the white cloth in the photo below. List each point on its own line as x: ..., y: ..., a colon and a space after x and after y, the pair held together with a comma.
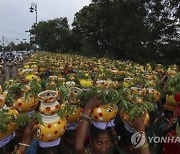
x: 104, y: 125
x: 49, y: 144
x: 129, y: 128
x: 6, y: 140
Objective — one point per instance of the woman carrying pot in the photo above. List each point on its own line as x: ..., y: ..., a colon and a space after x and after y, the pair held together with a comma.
x: 101, y: 137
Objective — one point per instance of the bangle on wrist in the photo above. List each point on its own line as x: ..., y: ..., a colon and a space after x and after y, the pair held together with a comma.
x: 145, y: 146
x: 23, y: 144
x: 17, y: 152
x: 86, y: 118
x: 84, y: 122
x: 87, y: 110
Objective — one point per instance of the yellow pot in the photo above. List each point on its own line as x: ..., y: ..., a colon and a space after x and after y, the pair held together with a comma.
x: 115, y: 84
x: 26, y: 66
x: 170, y: 100
x: 53, y: 127
x: 75, y: 115
x: 23, y: 105
x: 104, y: 113
x: 2, y: 101
x: 48, y: 96
x: 49, y: 108
x: 12, y: 126
x: 125, y: 116
x: 86, y: 83
x: 31, y: 77
x: 127, y: 82
x: 74, y: 92
x: 0, y: 89
x: 103, y: 83
x: 155, y: 93
x: 70, y: 83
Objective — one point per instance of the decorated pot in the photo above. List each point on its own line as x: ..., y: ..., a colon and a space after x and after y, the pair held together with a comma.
x: 53, y: 127
x: 25, y: 105
x: 115, y: 84
x: 170, y: 100
x: 128, y: 82
x: 125, y: 116
x: 26, y: 66
x: 11, y: 126
x: 0, y: 89
x: 104, y: 112
x: 31, y: 77
x: 73, y: 115
x: 2, y: 101
x: 27, y: 71
x: 70, y: 83
x: 73, y: 93
x: 26, y: 88
x: 86, y: 83
x: 138, y: 91
x: 103, y: 83
x: 48, y: 96
x: 156, y: 94
x: 53, y: 78
x: 49, y: 108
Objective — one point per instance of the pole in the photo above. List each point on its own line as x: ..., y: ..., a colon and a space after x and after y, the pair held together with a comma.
x: 32, y: 9
x: 36, y: 28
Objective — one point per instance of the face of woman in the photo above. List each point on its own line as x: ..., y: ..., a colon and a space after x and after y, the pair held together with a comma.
x: 101, y: 144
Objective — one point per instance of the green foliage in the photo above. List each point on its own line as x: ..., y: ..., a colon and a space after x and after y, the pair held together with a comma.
x: 23, y: 119
x: 14, y: 90
x: 35, y: 89
x: 129, y: 29
x: 106, y: 96
x: 64, y: 91
x: 5, y: 118
x: 135, y: 109
x: 172, y: 86
x: 177, y: 129
x: 53, y: 35
x: 37, y: 116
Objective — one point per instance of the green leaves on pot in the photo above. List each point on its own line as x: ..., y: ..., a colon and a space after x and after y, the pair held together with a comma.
x: 5, y: 118
x: 172, y: 86
x: 23, y: 119
x: 35, y: 88
x: 178, y: 129
x: 37, y: 116
x: 106, y: 96
x: 64, y: 91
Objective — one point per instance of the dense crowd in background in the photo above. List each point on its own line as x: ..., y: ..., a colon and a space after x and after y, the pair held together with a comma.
x: 87, y: 136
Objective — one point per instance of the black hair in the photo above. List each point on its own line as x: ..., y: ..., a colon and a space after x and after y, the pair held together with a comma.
x: 96, y: 132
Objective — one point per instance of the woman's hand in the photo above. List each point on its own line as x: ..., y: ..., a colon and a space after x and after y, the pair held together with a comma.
x: 138, y: 123
x: 93, y: 102
x: 28, y: 135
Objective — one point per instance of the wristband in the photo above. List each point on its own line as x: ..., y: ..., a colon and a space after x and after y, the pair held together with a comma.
x: 145, y: 146
x: 84, y: 121
x: 26, y: 145
x: 85, y: 118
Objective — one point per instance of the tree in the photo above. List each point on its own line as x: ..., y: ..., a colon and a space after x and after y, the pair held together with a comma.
x: 131, y: 29
x: 52, y: 35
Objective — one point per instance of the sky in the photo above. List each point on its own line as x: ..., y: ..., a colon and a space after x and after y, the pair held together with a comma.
x: 15, y: 17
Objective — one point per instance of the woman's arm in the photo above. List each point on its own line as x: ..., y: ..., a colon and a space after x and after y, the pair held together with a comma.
x: 138, y: 124
x: 83, y: 125
x: 27, y: 137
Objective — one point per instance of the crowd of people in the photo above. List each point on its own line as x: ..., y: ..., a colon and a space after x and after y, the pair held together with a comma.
x: 9, y: 64
x: 111, y: 138
x: 89, y: 137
